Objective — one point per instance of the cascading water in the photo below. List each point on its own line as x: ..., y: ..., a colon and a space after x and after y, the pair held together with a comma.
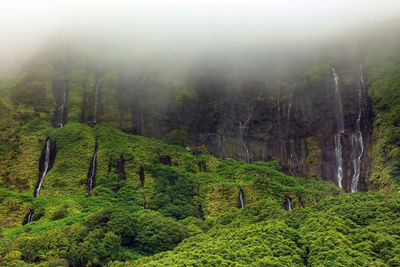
x: 340, y: 121
x: 339, y: 160
x: 288, y: 204
x: 60, y: 93
x: 241, y: 199
x: 92, y: 172
x: 96, y: 96
x: 242, y: 128
x: 339, y: 115
x: 46, y: 167
x: 61, y: 110
x: 357, y: 140
x: 29, y: 217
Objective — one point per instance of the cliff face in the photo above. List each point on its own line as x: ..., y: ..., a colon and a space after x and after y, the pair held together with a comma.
x: 299, y: 129
x: 294, y: 121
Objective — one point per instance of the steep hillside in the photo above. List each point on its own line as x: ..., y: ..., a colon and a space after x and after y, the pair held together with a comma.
x: 105, y: 162
x: 108, y: 187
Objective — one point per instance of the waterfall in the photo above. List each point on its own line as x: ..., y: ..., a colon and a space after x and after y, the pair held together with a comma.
x: 96, y: 96
x: 357, y: 140
x: 288, y: 204
x: 28, y: 217
x: 61, y: 109
x: 242, y: 128
x: 338, y: 97
x: 92, y: 172
x: 340, y: 121
x: 60, y: 93
x: 46, y: 167
x: 339, y: 160
x: 241, y: 200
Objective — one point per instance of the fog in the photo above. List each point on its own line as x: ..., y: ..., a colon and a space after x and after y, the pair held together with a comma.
x: 178, y: 29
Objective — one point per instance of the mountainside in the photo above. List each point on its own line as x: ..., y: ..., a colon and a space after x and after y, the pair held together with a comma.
x: 107, y: 163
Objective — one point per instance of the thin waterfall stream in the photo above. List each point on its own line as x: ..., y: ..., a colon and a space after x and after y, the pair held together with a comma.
x: 61, y: 110
x: 46, y: 168
x: 96, y: 100
x: 241, y: 199
x: 340, y: 122
x: 357, y: 140
x: 91, y: 181
x: 287, y: 204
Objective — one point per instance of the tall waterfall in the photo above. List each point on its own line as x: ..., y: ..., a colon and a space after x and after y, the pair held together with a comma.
x: 339, y: 115
x: 241, y: 199
x: 61, y: 108
x: 340, y: 121
x: 242, y: 128
x: 96, y: 100
x: 46, y: 167
x: 60, y: 93
x: 357, y: 140
x: 92, y: 172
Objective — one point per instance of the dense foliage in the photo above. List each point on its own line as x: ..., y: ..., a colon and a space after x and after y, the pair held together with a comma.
x: 169, y: 202
x: 349, y: 230
x: 112, y: 224
x: 384, y: 82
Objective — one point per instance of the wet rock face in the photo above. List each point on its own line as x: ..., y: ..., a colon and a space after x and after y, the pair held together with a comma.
x: 53, y: 152
x: 287, y: 204
x: 46, y: 162
x: 60, y: 93
x: 28, y: 217
x: 294, y: 122
x: 91, y: 177
x: 300, y: 131
x: 91, y: 103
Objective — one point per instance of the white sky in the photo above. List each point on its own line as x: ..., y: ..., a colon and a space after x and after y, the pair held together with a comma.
x: 26, y: 24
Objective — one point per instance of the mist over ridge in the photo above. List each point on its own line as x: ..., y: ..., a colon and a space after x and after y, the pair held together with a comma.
x: 176, y: 34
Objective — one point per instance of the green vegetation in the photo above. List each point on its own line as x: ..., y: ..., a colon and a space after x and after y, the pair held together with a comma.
x: 164, y: 203
x: 349, y: 230
x: 124, y: 220
x: 384, y: 83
